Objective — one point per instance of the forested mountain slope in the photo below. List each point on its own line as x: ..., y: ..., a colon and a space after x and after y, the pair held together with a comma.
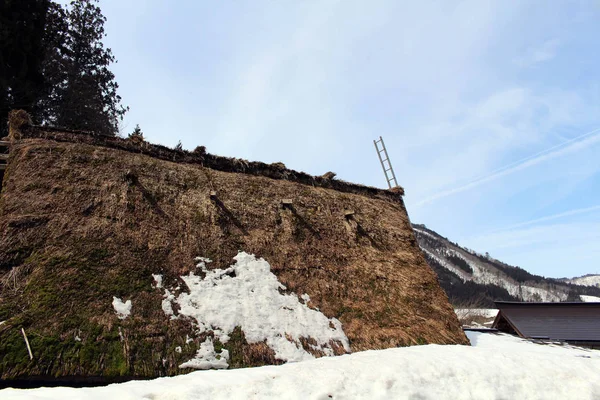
x: 470, y: 278
x: 586, y: 280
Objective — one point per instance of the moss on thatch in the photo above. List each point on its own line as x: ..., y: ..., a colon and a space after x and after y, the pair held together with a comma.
x: 84, y: 218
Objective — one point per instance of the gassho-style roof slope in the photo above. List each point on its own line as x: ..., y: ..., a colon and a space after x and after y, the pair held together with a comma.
x: 571, y: 322
x: 105, y: 245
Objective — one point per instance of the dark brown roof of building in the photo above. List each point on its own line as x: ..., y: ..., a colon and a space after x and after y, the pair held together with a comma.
x: 532, y: 304
x: 556, y: 321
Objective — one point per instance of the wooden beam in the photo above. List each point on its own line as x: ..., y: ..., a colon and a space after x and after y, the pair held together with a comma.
x: 4, y: 143
x: 2, y: 167
x: 3, y: 156
x: 27, y: 343
x: 286, y: 202
x: 348, y: 213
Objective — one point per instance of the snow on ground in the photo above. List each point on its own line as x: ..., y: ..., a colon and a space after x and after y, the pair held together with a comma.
x: 247, y: 295
x: 122, y: 309
x: 479, y: 312
x: 589, y: 299
x: 497, y: 366
x: 476, y: 317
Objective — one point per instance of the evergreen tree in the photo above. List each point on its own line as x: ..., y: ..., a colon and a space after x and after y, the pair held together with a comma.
x: 137, y: 135
x: 53, y: 64
x: 55, y: 45
x: 87, y: 99
x: 22, y: 24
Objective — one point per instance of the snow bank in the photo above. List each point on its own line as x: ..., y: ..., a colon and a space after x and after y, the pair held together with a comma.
x: 122, y: 309
x: 496, y: 367
x: 248, y: 295
x: 589, y: 299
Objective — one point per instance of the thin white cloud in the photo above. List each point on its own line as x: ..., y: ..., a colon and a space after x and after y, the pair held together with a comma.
x: 563, y: 249
x: 562, y: 234
x: 581, y: 142
x: 540, y: 54
x: 476, y: 137
x: 570, y: 213
x: 546, y: 151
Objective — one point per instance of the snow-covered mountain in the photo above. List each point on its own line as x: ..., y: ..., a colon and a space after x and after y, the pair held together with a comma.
x: 586, y: 280
x: 473, y: 279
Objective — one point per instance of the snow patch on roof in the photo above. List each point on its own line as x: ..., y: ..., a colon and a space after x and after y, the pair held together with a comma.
x: 166, y: 305
x: 157, y: 280
x: 247, y: 295
x: 122, y: 309
x: 207, y: 358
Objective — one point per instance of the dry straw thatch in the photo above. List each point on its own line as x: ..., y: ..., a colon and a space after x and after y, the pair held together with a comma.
x: 85, y: 218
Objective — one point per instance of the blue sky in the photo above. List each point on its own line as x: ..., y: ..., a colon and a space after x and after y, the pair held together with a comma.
x: 490, y: 109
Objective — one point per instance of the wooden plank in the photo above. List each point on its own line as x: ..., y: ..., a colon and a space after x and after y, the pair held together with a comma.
x: 3, y: 156
x: 27, y: 343
x: 4, y: 143
x: 286, y: 202
x: 2, y: 167
x: 348, y: 213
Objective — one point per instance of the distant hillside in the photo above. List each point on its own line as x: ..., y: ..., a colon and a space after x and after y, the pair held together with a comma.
x: 586, y: 280
x: 472, y: 278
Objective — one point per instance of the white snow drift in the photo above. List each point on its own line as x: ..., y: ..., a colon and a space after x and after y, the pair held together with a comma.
x: 589, y: 299
x: 247, y: 295
x: 122, y: 309
x: 496, y: 367
x: 479, y: 312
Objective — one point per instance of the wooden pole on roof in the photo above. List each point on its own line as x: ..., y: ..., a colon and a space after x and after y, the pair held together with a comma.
x: 27, y: 343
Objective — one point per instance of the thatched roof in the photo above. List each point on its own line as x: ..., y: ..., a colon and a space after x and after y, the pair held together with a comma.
x: 85, y: 218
